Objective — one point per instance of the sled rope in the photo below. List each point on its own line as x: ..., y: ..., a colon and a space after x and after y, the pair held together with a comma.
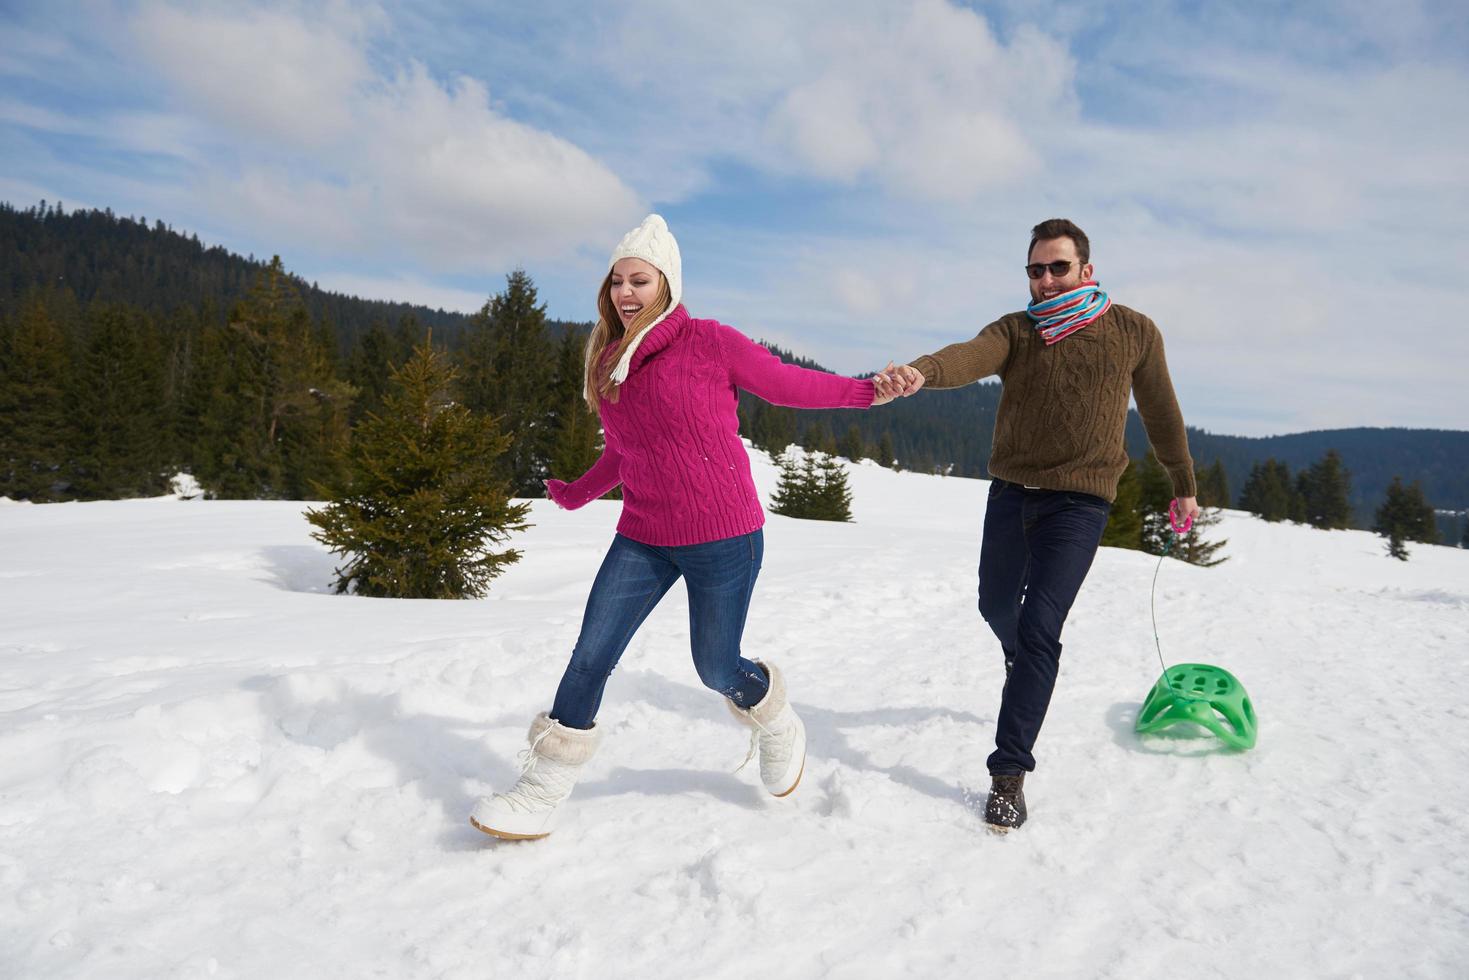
x: 1179, y: 530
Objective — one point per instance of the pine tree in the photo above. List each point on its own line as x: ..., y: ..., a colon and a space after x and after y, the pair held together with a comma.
x: 1155, y: 492
x: 1213, y: 485
x: 420, y: 506
x: 834, y: 496
x: 508, y: 368
x: 1405, y: 516
x: 1325, y: 488
x: 793, y: 491
x: 274, y: 414
x: 819, y: 438
x: 812, y: 486
x: 183, y: 340
x: 1146, y: 491
x: 230, y: 455
x: 119, y: 415
x: 1192, y: 547
x: 1425, y: 524
x: 577, y: 443
x: 886, y: 455
x: 1125, y: 523
x: 772, y: 427
x: 374, y: 357
x: 852, y: 445
x: 1269, y: 493
x: 1297, y: 512
x: 315, y: 426
x: 34, y: 423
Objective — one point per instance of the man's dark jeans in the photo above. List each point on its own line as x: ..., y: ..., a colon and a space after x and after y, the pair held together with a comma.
x: 1038, y: 546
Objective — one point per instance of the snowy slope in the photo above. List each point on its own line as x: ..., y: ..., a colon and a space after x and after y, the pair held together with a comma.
x: 211, y: 766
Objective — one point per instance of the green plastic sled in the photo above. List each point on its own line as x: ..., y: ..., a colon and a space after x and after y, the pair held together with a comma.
x: 1204, y: 695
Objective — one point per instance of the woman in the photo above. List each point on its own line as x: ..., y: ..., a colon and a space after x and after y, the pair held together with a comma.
x: 665, y: 386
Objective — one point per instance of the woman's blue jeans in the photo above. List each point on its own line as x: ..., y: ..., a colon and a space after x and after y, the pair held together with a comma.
x: 1038, y: 546
x: 719, y: 576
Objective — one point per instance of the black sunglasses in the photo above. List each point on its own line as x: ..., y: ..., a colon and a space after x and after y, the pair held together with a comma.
x: 1058, y: 269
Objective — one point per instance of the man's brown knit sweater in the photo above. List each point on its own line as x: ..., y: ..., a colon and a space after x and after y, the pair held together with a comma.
x: 1063, y: 408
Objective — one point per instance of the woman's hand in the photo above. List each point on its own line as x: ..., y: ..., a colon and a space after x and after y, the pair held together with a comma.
x: 884, y: 387
x: 898, y: 381
x: 554, y: 488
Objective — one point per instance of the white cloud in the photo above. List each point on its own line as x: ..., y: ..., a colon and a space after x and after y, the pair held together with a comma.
x: 309, y: 141
x: 1263, y: 336
x: 1271, y: 202
x: 923, y: 100
x: 29, y: 53
x: 1271, y: 220
x: 1321, y: 155
x: 35, y: 117
x: 401, y: 289
x: 852, y: 304
x: 868, y: 292
x: 25, y: 194
x: 918, y: 99
x: 287, y: 81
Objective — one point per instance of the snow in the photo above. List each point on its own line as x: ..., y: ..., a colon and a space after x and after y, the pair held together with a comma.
x: 212, y: 766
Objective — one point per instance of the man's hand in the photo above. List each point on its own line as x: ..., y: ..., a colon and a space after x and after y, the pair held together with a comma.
x: 1188, y: 509
x: 909, y: 377
x: 898, y: 381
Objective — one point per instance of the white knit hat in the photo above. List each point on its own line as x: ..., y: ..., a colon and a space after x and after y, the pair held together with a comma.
x: 652, y: 242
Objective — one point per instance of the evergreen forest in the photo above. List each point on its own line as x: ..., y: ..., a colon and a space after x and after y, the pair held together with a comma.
x: 130, y: 351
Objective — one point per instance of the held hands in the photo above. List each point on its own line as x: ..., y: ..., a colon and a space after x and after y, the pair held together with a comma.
x: 895, y: 382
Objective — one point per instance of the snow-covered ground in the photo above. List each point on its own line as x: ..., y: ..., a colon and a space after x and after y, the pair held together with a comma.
x: 211, y: 766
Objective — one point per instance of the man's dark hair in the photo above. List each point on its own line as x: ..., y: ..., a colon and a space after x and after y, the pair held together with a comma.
x: 1061, y: 228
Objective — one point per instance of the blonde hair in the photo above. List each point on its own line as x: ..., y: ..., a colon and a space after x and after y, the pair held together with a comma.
x: 609, y: 332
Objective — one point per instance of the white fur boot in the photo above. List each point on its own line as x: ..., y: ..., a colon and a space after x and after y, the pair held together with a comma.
x: 552, y: 764
x: 777, y: 733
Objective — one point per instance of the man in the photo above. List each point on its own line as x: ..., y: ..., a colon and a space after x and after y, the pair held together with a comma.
x: 1068, y: 364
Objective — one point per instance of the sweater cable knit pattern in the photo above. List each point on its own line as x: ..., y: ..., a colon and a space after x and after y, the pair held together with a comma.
x: 1063, y: 408
x: 672, y: 438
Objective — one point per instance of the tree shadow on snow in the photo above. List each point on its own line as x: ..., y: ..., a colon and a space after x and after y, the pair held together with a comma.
x: 300, y: 568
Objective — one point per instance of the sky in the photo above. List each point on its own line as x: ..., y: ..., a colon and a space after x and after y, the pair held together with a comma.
x: 1281, y: 187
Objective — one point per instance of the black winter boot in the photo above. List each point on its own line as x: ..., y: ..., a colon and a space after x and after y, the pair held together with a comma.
x: 1005, y: 807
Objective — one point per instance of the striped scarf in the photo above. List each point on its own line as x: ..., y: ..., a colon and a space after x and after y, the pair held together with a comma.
x: 1061, y: 316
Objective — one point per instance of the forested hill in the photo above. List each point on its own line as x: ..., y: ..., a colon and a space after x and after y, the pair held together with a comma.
x: 1438, y: 458
x: 97, y: 255
x: 956, y: 426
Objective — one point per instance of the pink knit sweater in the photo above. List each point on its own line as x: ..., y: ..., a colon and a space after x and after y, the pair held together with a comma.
x: 673, y: 437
